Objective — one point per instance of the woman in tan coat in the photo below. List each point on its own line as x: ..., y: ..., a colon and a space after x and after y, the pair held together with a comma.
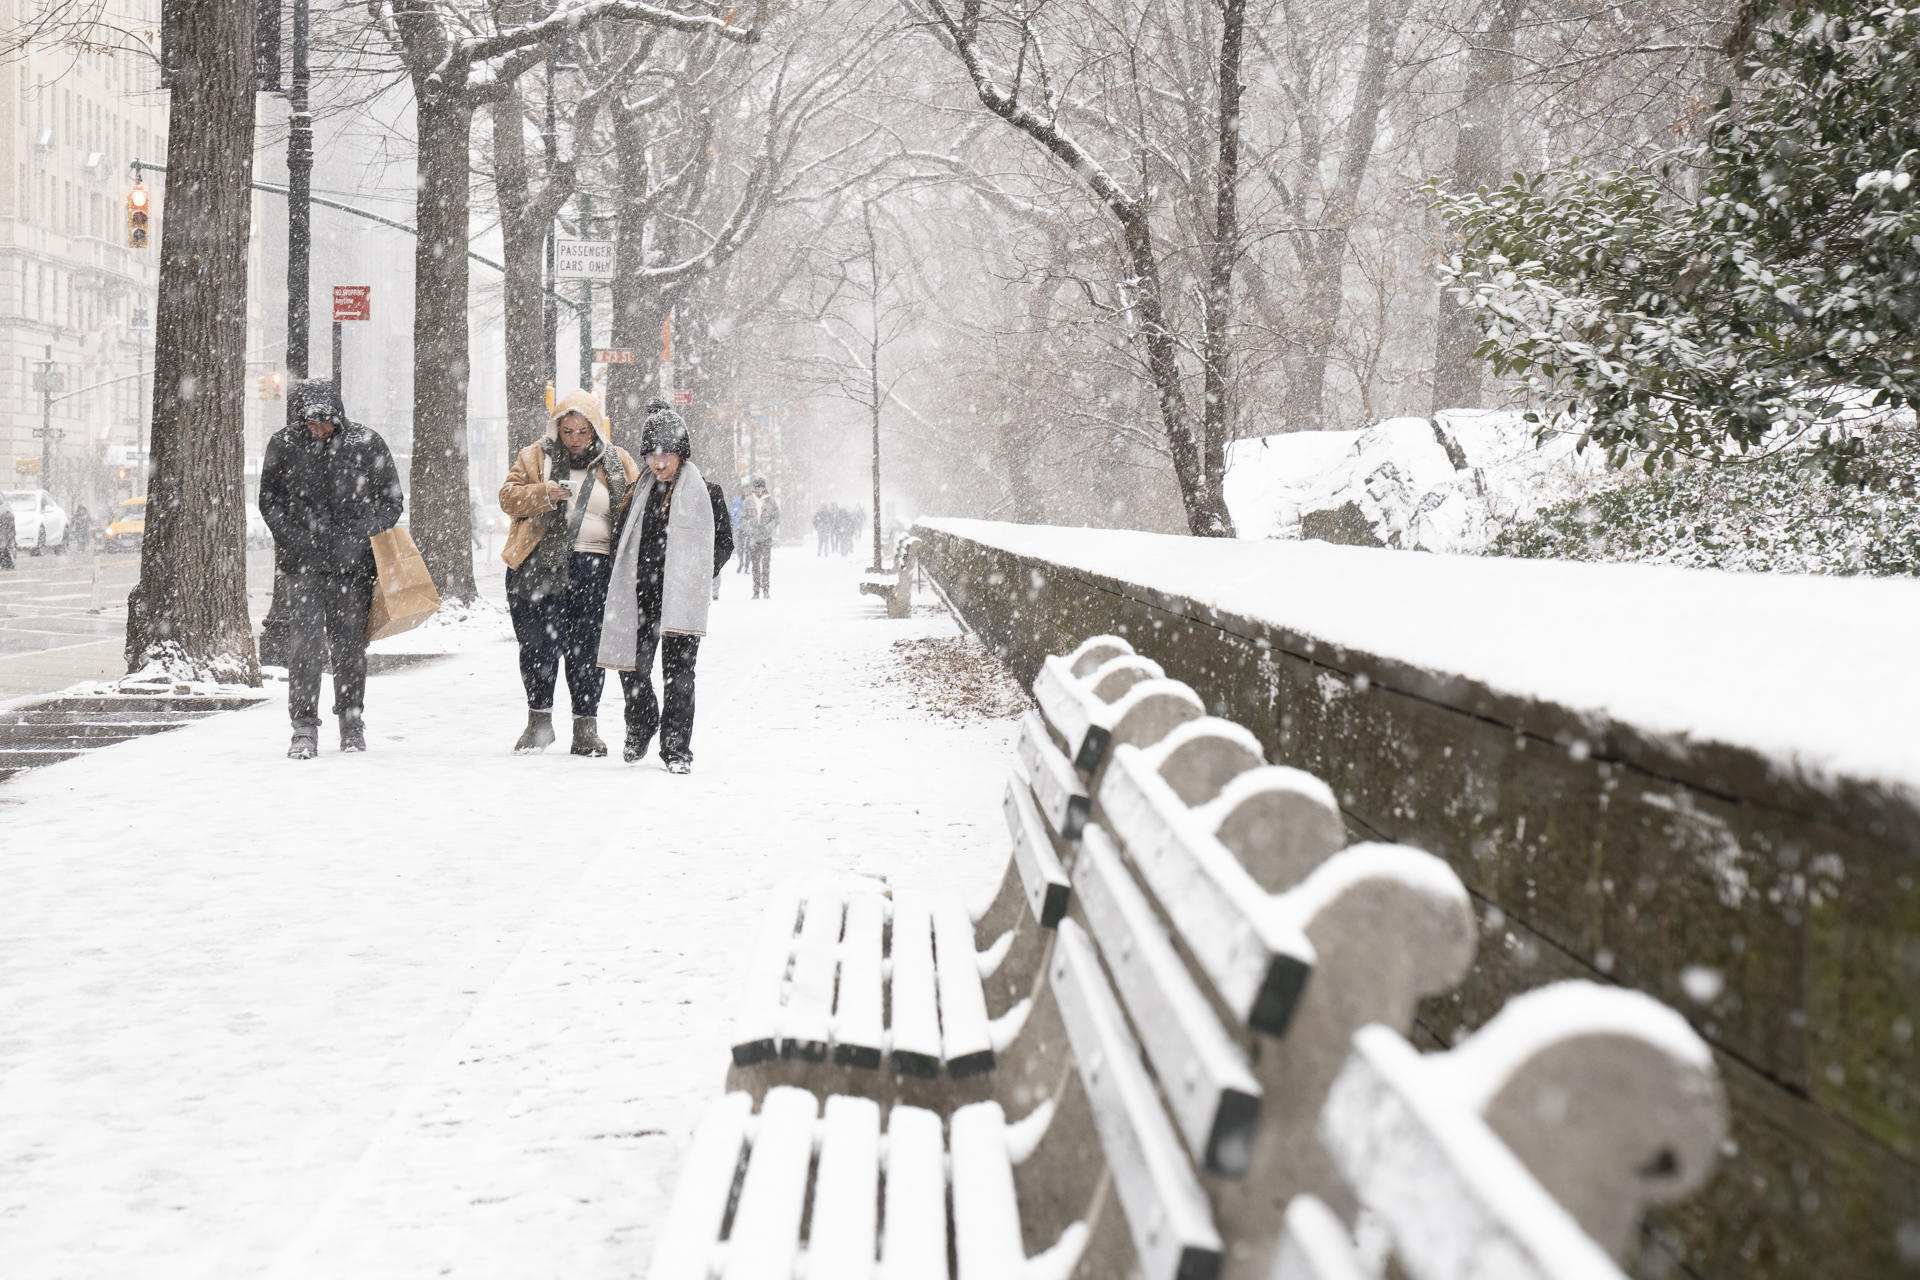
x: 567, y: 495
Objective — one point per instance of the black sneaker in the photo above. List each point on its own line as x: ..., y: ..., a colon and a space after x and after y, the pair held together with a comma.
x: 305, y: 745
x: 635, y: 748
x: 679, y: 766
x: 353, y: 732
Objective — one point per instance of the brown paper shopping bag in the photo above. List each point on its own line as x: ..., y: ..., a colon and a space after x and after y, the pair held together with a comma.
x: 404, y: 595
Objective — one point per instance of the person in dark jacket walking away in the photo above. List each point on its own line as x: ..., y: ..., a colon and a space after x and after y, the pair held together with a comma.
x: 762, y: 525
x: 326, y: 487
x: 565, y: 495
x: 660, y: 594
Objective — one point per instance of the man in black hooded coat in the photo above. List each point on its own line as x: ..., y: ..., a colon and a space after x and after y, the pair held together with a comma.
x: 327, y: 486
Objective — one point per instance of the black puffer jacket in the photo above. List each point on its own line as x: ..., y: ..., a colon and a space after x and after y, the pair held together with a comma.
x: 324, y: 498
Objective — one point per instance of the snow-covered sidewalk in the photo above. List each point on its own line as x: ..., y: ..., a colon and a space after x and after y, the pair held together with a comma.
x: 436, y: 1010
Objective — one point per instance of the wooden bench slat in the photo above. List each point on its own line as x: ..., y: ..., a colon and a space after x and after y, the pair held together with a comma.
x: 806, y: 1028
x: 1458, y: 1203
x: 756, y: 1035
x: 846, y: 1191
x: 915, y: 1243
x: 766, y: 1225
x: 1166, y: 1210
x: 1041, y: 874
x: 1070, y: 709
x: 1258, y: 963
x: 915, y: 1007
x: 1203, y: 1073
x: 986, y: 1213
x: 966, y: 1040
x: 691, y: 1231
x: 1057, y: 789
x: 858, y: 1031
x: 1314, y: 1245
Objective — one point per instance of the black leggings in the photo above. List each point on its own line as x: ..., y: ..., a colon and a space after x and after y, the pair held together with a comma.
x: 644, y: 716
x: 565, y: 625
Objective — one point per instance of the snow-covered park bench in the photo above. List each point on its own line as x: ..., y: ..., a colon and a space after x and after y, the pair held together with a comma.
x: 896, y: 588
x: 1201, y: 999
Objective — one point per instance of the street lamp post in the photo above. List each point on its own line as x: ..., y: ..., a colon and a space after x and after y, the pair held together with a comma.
x: 273, y: 628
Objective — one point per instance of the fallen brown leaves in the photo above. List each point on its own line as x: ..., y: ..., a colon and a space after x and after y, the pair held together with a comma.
x: 956, y: 678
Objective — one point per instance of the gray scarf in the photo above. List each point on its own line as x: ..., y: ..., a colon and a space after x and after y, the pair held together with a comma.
x: 687, y: 590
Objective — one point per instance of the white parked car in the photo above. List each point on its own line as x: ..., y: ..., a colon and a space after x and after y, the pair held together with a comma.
x: 39, y: 524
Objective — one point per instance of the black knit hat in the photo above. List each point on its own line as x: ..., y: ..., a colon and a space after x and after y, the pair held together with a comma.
x: 665, y: 431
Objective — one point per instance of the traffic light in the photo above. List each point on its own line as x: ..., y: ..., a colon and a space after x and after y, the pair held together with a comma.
x: 279, y: 383
x: 266, y: 386
x: 137, y: 217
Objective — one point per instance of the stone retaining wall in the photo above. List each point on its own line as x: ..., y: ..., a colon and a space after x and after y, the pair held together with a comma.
x: 1782, y: 920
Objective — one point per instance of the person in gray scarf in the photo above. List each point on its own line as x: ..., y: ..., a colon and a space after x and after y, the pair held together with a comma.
x: 669, y: 552
x: 565, y: 494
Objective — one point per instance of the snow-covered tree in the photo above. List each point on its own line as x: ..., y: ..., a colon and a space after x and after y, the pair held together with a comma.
x: 1747, y: 287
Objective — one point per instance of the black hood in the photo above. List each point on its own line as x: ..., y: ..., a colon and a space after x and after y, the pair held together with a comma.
x: 316, y: 398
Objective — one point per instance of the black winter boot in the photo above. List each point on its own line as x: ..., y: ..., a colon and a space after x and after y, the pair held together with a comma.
x: 635, y: 748
x: 353, y: 731
x: 305, y: 745
x: 586, y: 737
x: 537, y: 736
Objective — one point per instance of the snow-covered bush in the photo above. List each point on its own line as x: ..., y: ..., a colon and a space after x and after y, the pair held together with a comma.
x: 1672, y: 327
x: 1779, y: 513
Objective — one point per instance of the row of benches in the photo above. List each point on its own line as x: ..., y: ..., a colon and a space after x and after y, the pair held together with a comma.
x: 1172, y: 1047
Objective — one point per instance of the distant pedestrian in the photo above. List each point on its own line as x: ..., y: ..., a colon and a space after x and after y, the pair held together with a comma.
x: 739, y: 510
x: 565, y: 493
x: 762, y: 527
x: 667, y: 553
x: 80, y: 528
x: 327, y: 486
x: 822, y: 530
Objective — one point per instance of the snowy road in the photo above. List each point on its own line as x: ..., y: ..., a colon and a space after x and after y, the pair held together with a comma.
x: 436, y: 1010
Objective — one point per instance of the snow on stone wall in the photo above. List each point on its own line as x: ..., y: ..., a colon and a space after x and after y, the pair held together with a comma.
x: 1450, y: 483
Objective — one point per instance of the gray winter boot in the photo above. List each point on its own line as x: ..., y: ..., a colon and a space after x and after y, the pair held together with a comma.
x: 305, y: 745
x: 586, y: 737
x: 353, y: 731
x: 537, y: 736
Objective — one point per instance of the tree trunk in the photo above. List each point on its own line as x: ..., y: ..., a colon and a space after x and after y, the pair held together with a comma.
x: 1206, y: 510
x: 523, y: 241
x: 637, y: 311
x: 1225, y: 251
x: 1323, y: 256
x: 190, y: 607
x: 1458, y: 375
x: 440, y: 518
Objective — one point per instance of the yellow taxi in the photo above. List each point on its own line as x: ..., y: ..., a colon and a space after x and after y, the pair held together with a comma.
x: 129, y: 526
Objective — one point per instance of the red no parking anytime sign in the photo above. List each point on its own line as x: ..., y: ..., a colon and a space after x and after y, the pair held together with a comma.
x: 352, y: 302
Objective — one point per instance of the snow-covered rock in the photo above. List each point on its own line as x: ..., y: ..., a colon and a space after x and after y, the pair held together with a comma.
x: 1449, y: 483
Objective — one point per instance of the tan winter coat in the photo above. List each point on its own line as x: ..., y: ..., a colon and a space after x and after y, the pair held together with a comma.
x: 524, y: 495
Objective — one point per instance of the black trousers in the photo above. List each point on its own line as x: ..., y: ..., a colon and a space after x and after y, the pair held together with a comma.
x: 644, y: 715
x: 760, y: 557
x: 326, y: 611
x: 565, y: 625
